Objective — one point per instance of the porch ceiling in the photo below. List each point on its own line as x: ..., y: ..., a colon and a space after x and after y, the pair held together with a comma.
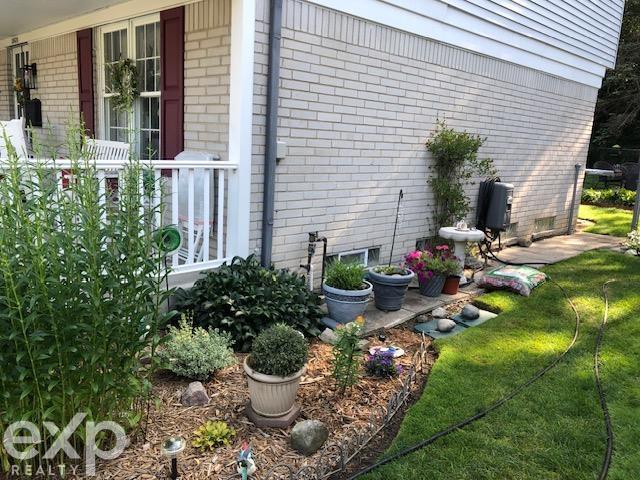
x: 19, y: 16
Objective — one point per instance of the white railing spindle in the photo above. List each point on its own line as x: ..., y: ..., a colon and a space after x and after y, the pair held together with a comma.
x: 174, y: 208
x: 220, y: 215
x: 190, y: 219
x: 206, y: 214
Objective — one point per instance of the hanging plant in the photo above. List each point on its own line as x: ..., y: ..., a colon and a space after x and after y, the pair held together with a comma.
x: 124, y: 75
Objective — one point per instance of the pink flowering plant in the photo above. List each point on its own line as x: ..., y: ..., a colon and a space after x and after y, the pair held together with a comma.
x: 428, y: 263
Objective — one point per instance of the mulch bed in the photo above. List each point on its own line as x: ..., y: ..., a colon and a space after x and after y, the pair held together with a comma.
x: 228, y: 391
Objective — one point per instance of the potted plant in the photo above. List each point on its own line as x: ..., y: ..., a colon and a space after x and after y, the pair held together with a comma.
x: 390, y: 283
x: 346, y: 291
x: 432, y: 268
x: 277, y: 361
x: 452, y: 270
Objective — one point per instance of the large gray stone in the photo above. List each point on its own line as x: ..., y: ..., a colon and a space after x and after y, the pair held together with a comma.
x: 328, y: 336
x: 308, y: 436
x: 445, y: 325
x: 194, y: 395
x: 470, y: 312
x: 439, y: 313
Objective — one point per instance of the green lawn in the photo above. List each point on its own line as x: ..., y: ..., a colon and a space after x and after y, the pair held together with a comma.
x: 554, y: 429
x: 608, y: 221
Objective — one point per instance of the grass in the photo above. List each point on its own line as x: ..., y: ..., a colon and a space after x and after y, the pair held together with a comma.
x: 608, y: 220
x: 555, y: 429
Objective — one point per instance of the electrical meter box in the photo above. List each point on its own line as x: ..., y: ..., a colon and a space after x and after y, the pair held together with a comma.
x: 499, y: 210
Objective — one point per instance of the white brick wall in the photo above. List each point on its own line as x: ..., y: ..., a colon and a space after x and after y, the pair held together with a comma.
x: 5, y: 86
x: 57, y: 86
x: 357, y: 103
x: 206, y: 76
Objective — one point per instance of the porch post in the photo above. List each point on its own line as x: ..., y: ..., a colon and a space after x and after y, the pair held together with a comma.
x: 243, y: 13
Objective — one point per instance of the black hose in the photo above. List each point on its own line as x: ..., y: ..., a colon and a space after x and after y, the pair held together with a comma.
x: 606, y: 462
x: 490, y: 408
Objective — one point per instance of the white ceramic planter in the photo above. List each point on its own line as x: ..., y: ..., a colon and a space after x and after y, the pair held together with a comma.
x: 271, y: 395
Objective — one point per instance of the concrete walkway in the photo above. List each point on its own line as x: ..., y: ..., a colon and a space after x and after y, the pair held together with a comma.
x: 550, y: 250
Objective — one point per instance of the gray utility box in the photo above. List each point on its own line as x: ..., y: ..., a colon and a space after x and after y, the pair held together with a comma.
x: 499, y: 211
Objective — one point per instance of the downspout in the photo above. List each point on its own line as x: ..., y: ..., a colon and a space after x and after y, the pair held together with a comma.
x: 271, y: 130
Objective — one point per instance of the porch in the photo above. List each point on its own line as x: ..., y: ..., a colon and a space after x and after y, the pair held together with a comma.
x: 194, y: 93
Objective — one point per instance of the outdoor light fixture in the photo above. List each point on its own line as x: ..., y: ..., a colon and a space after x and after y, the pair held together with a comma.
x: 29, y: 74
x: 171, y: 448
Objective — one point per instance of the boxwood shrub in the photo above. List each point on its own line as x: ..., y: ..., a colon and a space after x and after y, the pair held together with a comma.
x: 279, y: 350
x: 244, y: 298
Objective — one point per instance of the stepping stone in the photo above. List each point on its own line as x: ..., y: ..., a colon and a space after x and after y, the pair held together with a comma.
x: 431, y: 328
x: 483, y: 317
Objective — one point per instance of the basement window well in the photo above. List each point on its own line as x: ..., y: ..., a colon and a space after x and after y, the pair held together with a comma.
x: 368, y: 257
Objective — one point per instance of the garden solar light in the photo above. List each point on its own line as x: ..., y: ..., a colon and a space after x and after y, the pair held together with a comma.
x: 171, y: 448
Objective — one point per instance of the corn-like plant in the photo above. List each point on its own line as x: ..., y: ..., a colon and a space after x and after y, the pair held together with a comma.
x: 80, y: 294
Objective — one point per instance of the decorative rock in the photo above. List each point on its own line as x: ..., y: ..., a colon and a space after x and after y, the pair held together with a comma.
x: 445, y: 325
x: 308, y: 436
x: 525, y: 241
x: 363, y: 345
x: 439, y: 313
x: 470, y: 312
x: 194, y: 395
x: 328, y: 336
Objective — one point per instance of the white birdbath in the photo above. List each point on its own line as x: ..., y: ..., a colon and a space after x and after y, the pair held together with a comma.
x: 460, y: 238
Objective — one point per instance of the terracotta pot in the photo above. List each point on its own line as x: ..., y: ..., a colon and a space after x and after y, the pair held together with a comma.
x: 271, y: 395
x: 433, y: 286
x: 451, y: 285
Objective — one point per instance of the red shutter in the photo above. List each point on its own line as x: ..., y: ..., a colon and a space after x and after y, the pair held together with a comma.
x: 84, y: 40
x: 172, y: 82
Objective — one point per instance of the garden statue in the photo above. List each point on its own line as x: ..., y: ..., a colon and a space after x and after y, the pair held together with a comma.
x: 246, y: 465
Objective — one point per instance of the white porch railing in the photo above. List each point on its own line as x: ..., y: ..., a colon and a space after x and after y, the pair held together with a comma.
x: 196, y: 197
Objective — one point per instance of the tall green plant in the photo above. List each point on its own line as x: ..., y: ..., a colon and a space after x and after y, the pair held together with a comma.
x: 80, y: 294
x: 456, y: 162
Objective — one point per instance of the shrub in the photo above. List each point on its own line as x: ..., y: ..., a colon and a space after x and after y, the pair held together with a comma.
x: 390, y: 270
x: 611, y: 197
x: 456, y: 161
x: 244, y: 298
x: 346, y: 354
x: 345, y: 275
x: 280, y: 350
x: 213, y: 434
x: 633, y: 241
x: 195, y: 352
x: 81, y: 284
x: 382, y: 365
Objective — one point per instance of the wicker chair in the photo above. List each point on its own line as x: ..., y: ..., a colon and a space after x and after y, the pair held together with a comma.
x: 630, y: 175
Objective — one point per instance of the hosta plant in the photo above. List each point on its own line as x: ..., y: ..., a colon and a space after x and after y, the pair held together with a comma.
x: 213, y: 434
x: 243, y: 298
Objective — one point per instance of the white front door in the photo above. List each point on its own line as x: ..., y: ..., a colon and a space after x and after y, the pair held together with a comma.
x: 19, y: 58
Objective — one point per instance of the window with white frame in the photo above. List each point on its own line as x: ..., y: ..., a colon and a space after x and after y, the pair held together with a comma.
x: 139, y: 40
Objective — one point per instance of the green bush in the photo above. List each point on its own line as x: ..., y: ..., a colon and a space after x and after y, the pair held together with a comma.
x: 610, y: 197
x: 81, y: 284
x: 213, y: 434
x: 196, y: 353
x: 456, y: 162
x: 280, y: 350
x: 345, y: 275
x: 244, y: 298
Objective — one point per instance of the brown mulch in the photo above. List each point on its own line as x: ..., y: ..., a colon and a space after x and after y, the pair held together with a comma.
x: 229, y: 395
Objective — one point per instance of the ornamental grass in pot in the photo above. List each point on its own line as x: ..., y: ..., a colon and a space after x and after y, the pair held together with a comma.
x: 432, y: 268
x: 346, y: 292
x: 390, y: 284
x: 277, y: 362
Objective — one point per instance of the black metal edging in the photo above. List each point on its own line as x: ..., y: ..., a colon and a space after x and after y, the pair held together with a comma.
x: 271, y: 130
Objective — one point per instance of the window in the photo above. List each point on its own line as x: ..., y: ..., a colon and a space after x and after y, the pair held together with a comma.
x: 139, y: 40
x: 544, y: 224
x: 368, y: 257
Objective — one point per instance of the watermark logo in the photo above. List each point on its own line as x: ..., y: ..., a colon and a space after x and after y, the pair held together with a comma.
x: 21, y: 438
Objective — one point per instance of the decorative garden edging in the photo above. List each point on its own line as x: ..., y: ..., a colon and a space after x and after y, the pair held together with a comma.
x: 335, y: 456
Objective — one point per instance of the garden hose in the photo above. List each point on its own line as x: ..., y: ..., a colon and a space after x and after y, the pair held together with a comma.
x: 606, y: 462
x: 494, y: 406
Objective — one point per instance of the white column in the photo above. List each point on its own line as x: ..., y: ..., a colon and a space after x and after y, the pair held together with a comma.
x: 243, y: 15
